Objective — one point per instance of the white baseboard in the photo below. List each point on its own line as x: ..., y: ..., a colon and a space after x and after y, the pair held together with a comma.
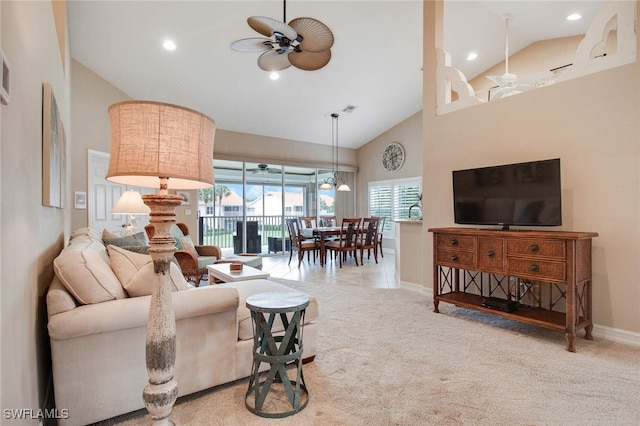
x: 599, y: 331
x: 616, y: 335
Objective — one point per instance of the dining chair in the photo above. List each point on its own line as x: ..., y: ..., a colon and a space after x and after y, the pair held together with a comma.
x: 308, y: 222
x: 368, y: 238
x: 347, y: 243
x: 380, y: 231
x: 328, y: 221
x: 300, y: 244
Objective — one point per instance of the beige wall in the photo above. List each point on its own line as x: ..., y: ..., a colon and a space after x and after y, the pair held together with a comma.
x: 591, y: 123
x: 32, y: 235
x: 90, y: 98
x: 409, y: 134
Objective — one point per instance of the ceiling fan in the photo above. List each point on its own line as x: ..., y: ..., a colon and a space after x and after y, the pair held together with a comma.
x: 508, y: 84
x: 265, y: 169
x: 304, y: 43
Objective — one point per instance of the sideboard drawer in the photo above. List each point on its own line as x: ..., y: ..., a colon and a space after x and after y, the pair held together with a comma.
x: 457, y: 242
x: 456, y: 259
x: 536, y: 269
x: 542, y: 248
x: 491, y: 254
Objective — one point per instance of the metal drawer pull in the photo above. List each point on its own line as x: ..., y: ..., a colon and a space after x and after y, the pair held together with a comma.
x: 454, y: 242
x: 534, y: 248
x: 490, y: 253
x: 533, y: 267
x: 454, y: 258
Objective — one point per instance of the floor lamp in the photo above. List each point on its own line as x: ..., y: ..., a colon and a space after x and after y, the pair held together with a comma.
x: 155, y: 145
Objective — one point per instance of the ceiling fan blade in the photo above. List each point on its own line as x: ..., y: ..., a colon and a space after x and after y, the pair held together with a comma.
x: 505, y: 79
x: 316, y: 36
x: 273, y: 61
x: 267, y: 26
x: 309, y: 61
x: 252, y: 45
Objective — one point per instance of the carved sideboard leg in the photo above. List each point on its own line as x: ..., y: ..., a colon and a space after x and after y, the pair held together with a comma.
x: 587, y: 332
x: 571, y: 342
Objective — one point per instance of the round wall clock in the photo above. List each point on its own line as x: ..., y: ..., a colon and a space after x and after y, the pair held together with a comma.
x: 393, y: 157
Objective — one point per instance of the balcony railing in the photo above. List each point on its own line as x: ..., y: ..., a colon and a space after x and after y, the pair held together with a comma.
x: 220, y: 230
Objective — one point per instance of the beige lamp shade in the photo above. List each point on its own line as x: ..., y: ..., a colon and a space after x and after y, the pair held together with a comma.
x: 151, y: 140
x: 130, y: 202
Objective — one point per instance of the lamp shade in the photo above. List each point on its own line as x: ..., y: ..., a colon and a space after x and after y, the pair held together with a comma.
x: 130, y: 202
x: 344, y: 188
x: 151, y: 140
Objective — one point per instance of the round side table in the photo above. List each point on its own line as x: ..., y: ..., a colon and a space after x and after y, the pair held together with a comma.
x: 281, y: 350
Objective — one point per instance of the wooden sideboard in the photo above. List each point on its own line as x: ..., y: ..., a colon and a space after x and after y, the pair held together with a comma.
x: 545, y: 275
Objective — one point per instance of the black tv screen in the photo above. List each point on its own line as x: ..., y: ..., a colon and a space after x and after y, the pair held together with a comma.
x: 522, y: 194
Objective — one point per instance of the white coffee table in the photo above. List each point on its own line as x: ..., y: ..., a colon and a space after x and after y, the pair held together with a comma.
x: 221, y: 272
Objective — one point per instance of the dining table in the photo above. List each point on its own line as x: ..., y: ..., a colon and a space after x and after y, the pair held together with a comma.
x: 321, y: 233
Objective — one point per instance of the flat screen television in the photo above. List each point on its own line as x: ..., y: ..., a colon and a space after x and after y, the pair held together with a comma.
x: 521, y: 194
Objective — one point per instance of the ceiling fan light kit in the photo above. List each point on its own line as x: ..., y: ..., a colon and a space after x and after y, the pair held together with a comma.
x: 304, y: 43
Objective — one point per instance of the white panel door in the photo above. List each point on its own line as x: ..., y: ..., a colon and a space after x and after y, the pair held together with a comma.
x: 103, y: 195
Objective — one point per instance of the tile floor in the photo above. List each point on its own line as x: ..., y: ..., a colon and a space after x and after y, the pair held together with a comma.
x: 370, y: 274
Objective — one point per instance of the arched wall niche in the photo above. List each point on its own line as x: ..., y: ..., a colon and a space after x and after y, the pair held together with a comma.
x: 609, y: 41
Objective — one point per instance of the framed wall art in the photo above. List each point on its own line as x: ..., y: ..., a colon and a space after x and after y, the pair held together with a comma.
x: 53, y: 151
x: 186, y: 197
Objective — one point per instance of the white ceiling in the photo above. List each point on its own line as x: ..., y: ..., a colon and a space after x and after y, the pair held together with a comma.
x: 376, y: 58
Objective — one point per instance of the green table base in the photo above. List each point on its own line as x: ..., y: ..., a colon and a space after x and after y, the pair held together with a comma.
x: 279, y: 351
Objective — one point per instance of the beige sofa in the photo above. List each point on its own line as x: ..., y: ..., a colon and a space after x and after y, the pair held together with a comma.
x: 97, y: 330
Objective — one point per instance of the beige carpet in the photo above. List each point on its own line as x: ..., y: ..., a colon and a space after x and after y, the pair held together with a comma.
x: 386, y: 358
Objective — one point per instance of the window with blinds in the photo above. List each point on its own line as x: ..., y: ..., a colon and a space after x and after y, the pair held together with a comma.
x: 392, y: 199
x: 381, y: 203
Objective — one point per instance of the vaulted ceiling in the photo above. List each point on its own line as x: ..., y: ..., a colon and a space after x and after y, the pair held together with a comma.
x: 375, y: 65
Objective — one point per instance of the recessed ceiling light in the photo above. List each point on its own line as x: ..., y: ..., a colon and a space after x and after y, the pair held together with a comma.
x: 472, y: 56
x: 169, y: 45
x: 574, y: 17
x: 274, y: 76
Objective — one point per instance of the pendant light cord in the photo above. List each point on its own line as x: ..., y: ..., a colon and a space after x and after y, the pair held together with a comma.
x: 334, y: 138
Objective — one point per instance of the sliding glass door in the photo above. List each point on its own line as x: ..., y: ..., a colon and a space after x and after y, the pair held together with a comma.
x: 246, y: 210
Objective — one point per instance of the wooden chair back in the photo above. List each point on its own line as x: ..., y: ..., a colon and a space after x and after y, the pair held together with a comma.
x: 328, y: 221
x: 350, y: 231
x: 308, y: 222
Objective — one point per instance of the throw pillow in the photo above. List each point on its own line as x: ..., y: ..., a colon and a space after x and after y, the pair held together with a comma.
x: 187, y: 244
x: 135, y: 240
x: 177, y: 235
x: 136, y: 274
x: 108, y: 234
x: 86, y: 274
x: 137, y: 249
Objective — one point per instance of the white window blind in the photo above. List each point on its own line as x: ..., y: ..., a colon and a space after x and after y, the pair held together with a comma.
x: 404, y: 196
x: 392, y: 199
x: 381, y: 203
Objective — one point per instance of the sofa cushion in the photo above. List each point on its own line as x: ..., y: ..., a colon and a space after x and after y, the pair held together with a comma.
x: 84, y: 270
x: 136, y: 274
x: 204, y: 261
x: 108, y: 234
x: 251, y: 287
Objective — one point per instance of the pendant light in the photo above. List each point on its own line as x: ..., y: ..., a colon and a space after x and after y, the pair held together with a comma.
x: 334, y: 180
